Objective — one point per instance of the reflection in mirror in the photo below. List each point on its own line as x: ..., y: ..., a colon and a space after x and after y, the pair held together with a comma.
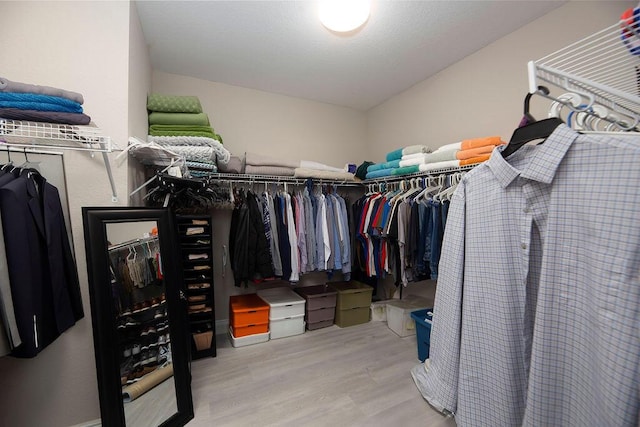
x: 138, y: 290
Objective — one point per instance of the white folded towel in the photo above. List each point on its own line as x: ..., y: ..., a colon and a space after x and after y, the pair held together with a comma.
x: 413, y: 156
x: 413, y: 149
x: 414, y: 161
x: 426, y: 167
x: 307, y: 164
x: 453, y: 146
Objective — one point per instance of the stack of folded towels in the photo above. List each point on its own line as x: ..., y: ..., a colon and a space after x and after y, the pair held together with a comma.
x: 29, y: 102
x: 179, y: 124
x: 394, y: 158
x: 171, y: 115
x: 467, y: 152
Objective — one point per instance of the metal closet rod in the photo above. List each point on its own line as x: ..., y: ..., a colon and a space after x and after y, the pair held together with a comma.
x: 139, y: 241
x: 10, y: 148
x: 264, y: 179
x: 398, y: 178
x: 104, y: 149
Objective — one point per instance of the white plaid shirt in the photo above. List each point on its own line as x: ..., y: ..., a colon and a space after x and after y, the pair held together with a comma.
x: 536, y: 318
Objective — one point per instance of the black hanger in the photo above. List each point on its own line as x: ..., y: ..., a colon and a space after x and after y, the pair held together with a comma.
x: 7, y: 166
x: 534, y: 130
x: 528, y: 118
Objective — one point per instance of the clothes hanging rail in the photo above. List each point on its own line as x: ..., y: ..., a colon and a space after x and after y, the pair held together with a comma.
x: 603, y: 68
x: 396, y: 178
x: 7, y: 148
x: 133, y: 242
x: 23, y: 134
x: 258, y: 179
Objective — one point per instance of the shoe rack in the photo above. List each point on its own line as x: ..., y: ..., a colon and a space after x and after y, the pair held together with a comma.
x: 195, y: 238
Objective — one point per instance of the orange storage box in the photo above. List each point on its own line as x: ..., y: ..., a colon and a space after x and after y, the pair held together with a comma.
x: 254, y: 328
x: 248, y: 314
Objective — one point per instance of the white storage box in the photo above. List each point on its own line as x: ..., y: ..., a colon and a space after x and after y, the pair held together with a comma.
x: 417, y: 301
x: 399, y: 317
x: 286, y: 327
x: 283, y: 303
x: 248, y: 339
x: 379, y: 311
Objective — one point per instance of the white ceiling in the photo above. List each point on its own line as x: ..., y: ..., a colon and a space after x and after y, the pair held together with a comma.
x: 281, y: 47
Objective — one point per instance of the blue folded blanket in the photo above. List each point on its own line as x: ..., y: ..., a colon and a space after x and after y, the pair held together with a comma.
x: 387, y: 165
x: 394, y: 155
x: 379, y: 173
x: 32, y: 101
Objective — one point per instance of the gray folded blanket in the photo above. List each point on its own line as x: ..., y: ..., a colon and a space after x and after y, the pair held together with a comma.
x: 269, y: 170
x: 57, y: 117
x: 7, y: 85
x: 235, y: 165
x: 261, y: 160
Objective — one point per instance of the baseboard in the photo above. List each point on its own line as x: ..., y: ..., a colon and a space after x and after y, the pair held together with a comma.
x: 92, y: 423
x: 222, y: 327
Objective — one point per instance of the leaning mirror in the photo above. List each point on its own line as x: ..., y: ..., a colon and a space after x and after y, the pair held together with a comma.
x: 139, y: 317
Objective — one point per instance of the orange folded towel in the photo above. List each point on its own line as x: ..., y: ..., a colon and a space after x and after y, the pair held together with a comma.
x: 474, y: 152
x: 475, y: 160
x: 480, y: 142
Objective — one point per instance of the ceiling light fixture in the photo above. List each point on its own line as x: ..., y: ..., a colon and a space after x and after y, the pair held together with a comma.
x: 343, y: 15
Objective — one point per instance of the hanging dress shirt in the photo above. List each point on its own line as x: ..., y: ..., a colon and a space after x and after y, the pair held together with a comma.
x: 293, y: 240
x: 536, y: 318
x: 283, y: 235
x: 274, y: 242
x: 346, y: 240
x: 301, y: 230
x: 322, y: 234
x: 310, y: 232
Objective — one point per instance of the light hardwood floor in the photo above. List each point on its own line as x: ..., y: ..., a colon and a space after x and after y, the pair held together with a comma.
x: 355, y: 376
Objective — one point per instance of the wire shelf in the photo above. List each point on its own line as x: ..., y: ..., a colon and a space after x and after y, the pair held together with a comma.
x: 257, y: 179
x: 28, y: 134
x: 603, y: 67
x: 441, y: 171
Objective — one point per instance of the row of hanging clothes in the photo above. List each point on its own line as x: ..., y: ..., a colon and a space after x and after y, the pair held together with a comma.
x: 277, y: 234
x: 399, y: 227
x: 39, y: 287
x: 134, y: 266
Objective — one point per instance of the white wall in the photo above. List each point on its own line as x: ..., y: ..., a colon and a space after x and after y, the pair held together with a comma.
x: 139, y: 77
x: 483, y: 94
x: 139, y: 88
x: 271, y: 124
x: 84, y: 47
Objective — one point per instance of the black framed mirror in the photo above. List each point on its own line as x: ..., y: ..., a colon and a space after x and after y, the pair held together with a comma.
x: 139, y: 317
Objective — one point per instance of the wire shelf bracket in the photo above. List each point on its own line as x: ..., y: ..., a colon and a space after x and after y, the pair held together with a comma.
x: 604, y: 67
x: 32, y: 135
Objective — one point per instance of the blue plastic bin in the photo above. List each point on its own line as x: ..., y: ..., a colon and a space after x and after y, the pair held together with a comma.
x: 423, y: 331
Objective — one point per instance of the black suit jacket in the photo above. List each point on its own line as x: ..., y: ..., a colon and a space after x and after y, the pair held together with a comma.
x: 44, y: 281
